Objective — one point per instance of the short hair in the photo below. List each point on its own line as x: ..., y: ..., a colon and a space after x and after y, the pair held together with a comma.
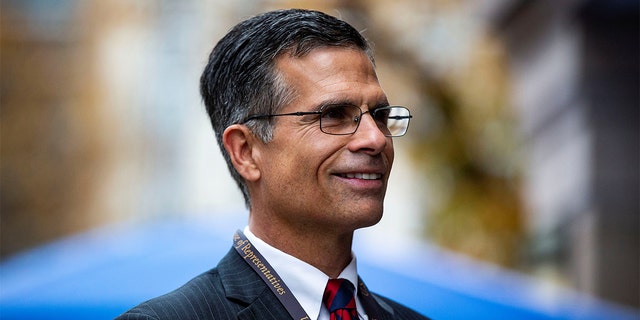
x: 241, y: 79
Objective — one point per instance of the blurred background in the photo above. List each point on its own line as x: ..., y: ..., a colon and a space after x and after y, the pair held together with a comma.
x: 523, y: 153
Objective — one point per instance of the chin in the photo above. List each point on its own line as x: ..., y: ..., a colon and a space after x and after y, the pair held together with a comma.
x: 367, y: 217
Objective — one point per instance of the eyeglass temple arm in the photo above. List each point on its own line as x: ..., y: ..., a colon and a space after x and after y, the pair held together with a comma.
x: 260, y: 116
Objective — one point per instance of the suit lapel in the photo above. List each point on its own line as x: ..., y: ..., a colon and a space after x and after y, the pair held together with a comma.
x: 266, y: 306
x: 382, y: 310
x: 375, y: 308
x: 242, y: 284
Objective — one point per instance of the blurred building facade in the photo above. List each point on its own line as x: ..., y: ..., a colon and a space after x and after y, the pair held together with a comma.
x: 575, y: 67
x: 523, y: 151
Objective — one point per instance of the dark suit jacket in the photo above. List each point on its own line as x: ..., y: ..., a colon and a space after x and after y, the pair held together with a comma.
x: 233, y: 290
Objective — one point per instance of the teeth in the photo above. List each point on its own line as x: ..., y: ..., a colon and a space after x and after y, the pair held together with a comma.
x: 363, y: 176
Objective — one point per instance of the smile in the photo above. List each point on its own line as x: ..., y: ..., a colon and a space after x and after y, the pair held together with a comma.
x: 363, y: 176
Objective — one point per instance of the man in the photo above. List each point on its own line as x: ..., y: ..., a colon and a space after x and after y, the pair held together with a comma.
x: 306, y: 131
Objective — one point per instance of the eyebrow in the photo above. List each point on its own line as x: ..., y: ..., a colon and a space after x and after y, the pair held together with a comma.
x: 344, y: 101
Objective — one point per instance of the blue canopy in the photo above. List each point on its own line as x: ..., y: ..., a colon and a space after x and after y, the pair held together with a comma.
x: 102, y: 273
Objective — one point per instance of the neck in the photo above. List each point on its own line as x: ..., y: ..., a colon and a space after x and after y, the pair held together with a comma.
x: 328, y: 251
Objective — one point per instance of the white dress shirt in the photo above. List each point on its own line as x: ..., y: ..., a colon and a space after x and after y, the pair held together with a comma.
x: 306, y: 282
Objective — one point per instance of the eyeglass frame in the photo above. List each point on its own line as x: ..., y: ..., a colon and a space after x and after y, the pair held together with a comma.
x: 322, y: 109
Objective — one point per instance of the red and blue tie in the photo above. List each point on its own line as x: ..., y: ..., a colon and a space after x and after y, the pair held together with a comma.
x: 340, y: 300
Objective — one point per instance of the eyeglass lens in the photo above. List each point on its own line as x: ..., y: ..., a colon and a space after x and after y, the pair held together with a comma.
x: 345, y: 119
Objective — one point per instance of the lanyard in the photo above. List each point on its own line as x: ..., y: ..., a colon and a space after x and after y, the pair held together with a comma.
x: 271, y: 278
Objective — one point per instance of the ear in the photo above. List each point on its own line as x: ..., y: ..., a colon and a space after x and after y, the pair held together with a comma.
x: 239, y: 142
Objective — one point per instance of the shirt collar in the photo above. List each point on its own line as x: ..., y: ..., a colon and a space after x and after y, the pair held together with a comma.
x: 306, y: 282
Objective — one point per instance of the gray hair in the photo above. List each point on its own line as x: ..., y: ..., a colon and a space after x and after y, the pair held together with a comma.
x: 241, y: 79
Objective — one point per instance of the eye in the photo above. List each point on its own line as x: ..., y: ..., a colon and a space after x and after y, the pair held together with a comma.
x: 337, y: 113
x: 381, y: 115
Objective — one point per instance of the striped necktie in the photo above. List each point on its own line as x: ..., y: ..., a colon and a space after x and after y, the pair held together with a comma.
x: 340, y: 300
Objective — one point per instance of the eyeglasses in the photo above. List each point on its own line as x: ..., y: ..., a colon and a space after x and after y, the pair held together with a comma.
x: 393, y: 121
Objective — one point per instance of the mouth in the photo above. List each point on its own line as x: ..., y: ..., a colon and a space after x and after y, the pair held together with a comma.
x: 362, y: 176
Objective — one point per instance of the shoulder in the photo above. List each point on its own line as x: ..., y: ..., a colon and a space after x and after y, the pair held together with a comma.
x: 200, y: 298
x: 399, y: 311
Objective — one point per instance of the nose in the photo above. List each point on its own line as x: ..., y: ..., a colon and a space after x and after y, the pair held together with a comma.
x: 368, y: 138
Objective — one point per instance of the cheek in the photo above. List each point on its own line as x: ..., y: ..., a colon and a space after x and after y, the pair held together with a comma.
x: 294, y: 182
x: 300, y: 159
x: 389, y: 154
x: 295, y: 167
x: 306, y: 175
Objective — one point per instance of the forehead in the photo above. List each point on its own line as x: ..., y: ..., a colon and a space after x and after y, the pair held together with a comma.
x: 329, y: 73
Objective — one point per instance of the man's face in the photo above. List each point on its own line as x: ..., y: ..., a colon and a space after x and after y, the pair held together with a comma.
x: 314, y: 180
